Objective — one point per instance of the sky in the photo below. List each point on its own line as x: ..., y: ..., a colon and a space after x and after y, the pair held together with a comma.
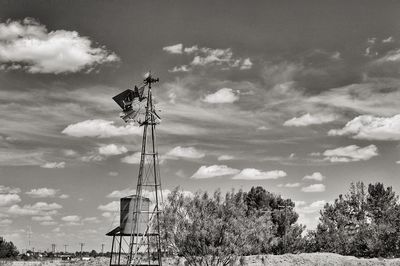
x: 299, y: 97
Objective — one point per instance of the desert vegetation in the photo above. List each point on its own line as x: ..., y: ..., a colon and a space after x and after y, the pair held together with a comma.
x: 239, y: 227
x: 219, y: 229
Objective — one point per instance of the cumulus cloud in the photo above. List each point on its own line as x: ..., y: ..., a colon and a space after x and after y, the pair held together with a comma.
x: 204, y: 56
x: 112, y: 149
x: 224, y: 95
x: 28, y: 45
x: 225, y: 157
x: 388, y: 40
x: 42, y: 218
x: 121, y: 193
x: 11, y: 190
x: 308, y: 119
x: 42, y: 192
x: 39, y: 208
x: 52, y: 165
x: 315, y: 176
x: 5, y: 222
x: 308, y: 214
x: 64, y: 196
x: 174, y: 49
x: 255, y: 174
x: 183, y: 68
x: 184, y: 152
x: 132, y: 159
x: 100, y: 128
x: 371, y: 128
x: 314, y: 188
x: 109, y: 207
x: 246, y: 64
x: 351, y: 153
x: 8, y: 199
x: 71, y: 218
x: 214, y: 171
x: 289, y: 185
x: 113, y: 173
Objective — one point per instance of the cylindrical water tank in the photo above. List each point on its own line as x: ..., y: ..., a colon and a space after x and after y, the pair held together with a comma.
x: 128, y: 214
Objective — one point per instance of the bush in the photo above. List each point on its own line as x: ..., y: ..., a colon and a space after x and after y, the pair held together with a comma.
x: 7, y: 250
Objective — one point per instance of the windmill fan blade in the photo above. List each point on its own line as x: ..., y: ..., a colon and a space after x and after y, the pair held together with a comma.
x: 125, y: 99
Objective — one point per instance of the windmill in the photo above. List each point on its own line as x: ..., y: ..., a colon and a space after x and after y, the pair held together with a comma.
x: 137, y: 241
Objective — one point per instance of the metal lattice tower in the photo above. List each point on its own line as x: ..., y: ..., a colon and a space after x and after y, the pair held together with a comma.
x: 142, y: 244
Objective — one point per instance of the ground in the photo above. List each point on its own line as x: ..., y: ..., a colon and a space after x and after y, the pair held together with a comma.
x: 310, y: 259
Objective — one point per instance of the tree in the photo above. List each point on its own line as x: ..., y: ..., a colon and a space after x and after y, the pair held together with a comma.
x: 7, y: 249
x: 287, y: 234
x: 359, y: 223
x: 213, y: 230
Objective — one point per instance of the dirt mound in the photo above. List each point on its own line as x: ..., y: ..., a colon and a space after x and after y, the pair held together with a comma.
x: 317, y: 259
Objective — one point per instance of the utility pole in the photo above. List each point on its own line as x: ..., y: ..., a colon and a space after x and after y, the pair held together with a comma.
x: 82, y: 244
x: 29, y: 235
x: 102, y: 248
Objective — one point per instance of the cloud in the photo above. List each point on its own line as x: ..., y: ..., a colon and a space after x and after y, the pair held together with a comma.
x: 308, y: 119
x: 29, y: 46
x: 52, y: 165
x: 48, y: 223
x: 374, y: 96
x: 64, y: 196
x: 214, y: 171
x: 121, y: 193
x: 112, y: 149
x: 71, y: 218
x: 20, y: 157
x: 39, y: 208
x: 132, y: 159
x: 5, y: 222
x: 389, y: 39
x: 92, y: 157
x: 100, y: 128
x: 225, y: 157
x: 371, y: 128
x: 11, y: 190
x: 255, y: 174
x: 184, y: 152
x: 110, y: 207
x: 42, y: 218
x: 314, y: 176
x: 246, y: 64
x: 174, y: 49
x: 113, y: 173
x: 351, y: 153
x: 314, y: 188
x: 8, y: 199
x: 224, y: 95
x: 299, y: 203
x: 90, y: 220
x: 289, y: 185
x: 183, y: 68
x: 308, y: 214
x: 42, y: 192
x: 206, y: 57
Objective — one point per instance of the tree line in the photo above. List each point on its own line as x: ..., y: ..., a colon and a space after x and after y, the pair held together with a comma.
x: 216, y: 229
